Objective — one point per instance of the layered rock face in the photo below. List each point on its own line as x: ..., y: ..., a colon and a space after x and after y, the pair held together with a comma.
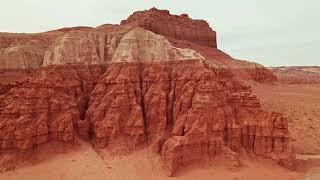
x: 45, y: 108
x: 190, y: 110
x: 178, y: 27
x: 27, y: 51
x: 77, y: 47
x: 87, y: 45
x: 144, y: 46
x: 255, y: 71
x: 243, y: 70
x: 22, y: 51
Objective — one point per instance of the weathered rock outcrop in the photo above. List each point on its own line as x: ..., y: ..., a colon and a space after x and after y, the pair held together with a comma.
x: 21, y: 50
x: 26, y: 51
x: 76, y: 47
x: 255, y: 71
x: 45, y: 108
x: 145, y: 46
x: 99, y: 47
x: 86, y: 47
x: 178, y: 27
x: 243, y: 70
x: 191, y: 110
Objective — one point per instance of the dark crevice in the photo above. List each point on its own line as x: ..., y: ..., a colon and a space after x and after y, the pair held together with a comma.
x: 193, y: 93
x: 84, y: 107
x: 84, y: 100
x: 91, y: 134
x: 170, y: 98
x: 145, y: 123
x: 225, y: 137
x: 254, y: 141
x: 86, y: 87
x: 5, y: 88
x: 81, y: 86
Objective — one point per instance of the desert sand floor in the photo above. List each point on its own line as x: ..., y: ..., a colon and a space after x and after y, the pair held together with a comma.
x: 301, y: 104
x: 310, y: 166
x: 86, y: 164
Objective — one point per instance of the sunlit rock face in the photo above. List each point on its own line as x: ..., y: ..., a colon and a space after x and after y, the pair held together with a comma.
x: 140, y: 45
x: 78, y: 47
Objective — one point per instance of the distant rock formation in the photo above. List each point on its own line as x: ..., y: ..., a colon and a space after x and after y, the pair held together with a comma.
x: 297, y: 74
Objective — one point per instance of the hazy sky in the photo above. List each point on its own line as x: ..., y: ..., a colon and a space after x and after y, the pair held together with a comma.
x: 270, y: 32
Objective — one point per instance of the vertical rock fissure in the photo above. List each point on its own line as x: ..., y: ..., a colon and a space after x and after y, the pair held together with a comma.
x: 145, y: 123
x: 84, y: 107
x: 83, y: 127
x: 225, y: 135
x: 170, y: 98
x: 84, y: 98
x: 193, y: 93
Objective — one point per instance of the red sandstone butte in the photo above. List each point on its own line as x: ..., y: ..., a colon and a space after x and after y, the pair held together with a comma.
x: 178, y: 27
x: 155, y: 80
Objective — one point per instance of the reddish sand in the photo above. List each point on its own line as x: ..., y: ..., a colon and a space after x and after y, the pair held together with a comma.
x: 301, y: 104
x: 85, y: 164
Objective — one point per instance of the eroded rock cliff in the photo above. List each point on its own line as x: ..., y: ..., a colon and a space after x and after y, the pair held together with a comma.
x: 156, y: 80
x: 46, y: 107
x: 191, y: 110
x: 22, y: 50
